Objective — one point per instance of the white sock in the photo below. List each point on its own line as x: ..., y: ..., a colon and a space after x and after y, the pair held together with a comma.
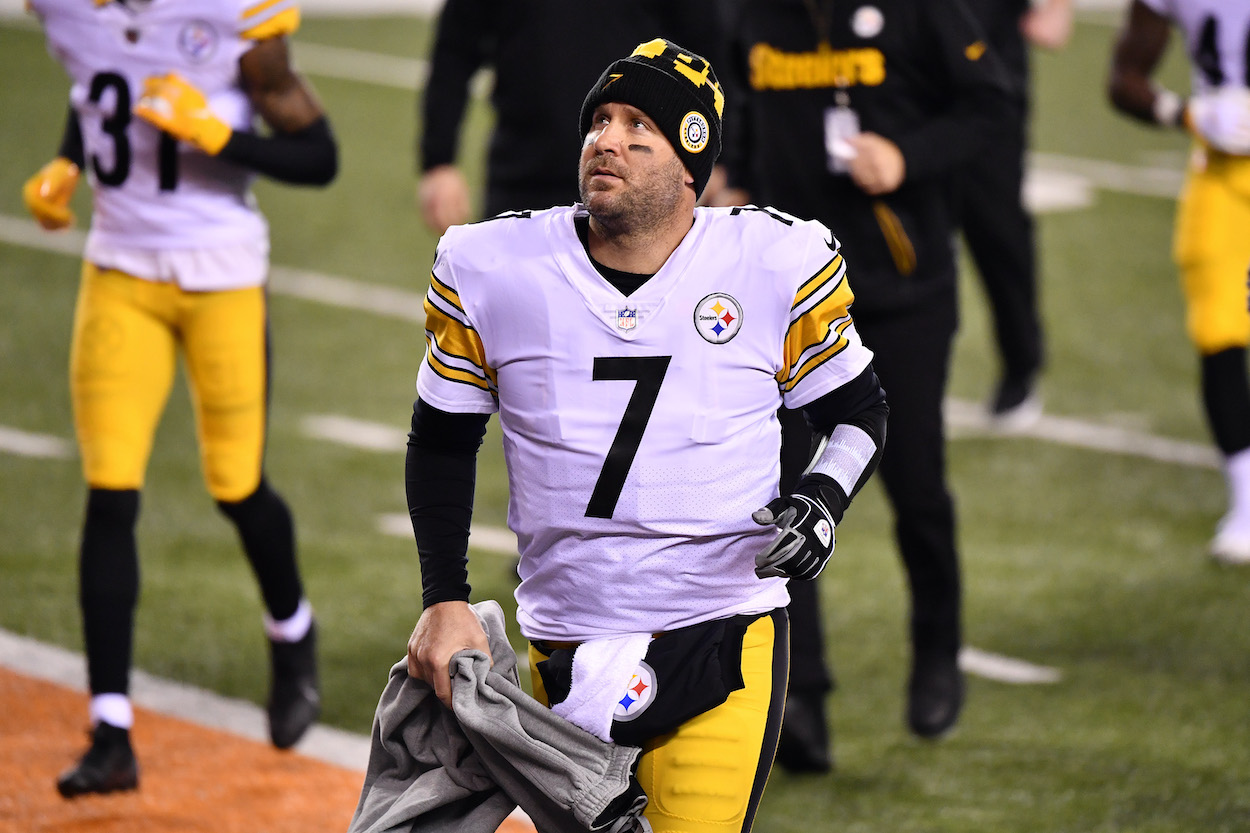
x: 294, y: 627
x: 113, y: 709
x: 1237, y: 474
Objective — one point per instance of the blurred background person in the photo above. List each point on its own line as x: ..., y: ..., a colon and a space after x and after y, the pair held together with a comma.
x: 1211, y: 246
x: 859, y: 117
x: 996, y: 224
x: 176, y: 261
x: 545, y: 54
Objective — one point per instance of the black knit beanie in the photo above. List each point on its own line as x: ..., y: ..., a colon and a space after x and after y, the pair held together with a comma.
x: 678, y: 90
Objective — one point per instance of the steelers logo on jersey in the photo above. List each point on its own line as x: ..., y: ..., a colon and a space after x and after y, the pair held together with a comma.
x: 198, y: 41
x: 639, y: 694
x: 694, y: 132
x: 718, y: 317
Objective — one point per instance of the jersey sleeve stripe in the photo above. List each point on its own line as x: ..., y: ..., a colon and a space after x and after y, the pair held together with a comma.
x: 830, y: 275
x: 454, y: 348
x: 269, y: 19
x: 815, y: 354
x: 433, y: 360
x: 820, y: 314
x: 447, y: 296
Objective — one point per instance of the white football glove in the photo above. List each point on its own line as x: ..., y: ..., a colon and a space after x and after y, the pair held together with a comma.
x: 1221, y: 118
x: 805, y: 541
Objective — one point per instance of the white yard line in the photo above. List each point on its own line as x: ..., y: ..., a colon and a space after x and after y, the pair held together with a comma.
x: 355, y: 433
x: 379, y: 299
x: 969, y: 419
x: 494, y: 540
x: 1141, y: 180
x: 359, y: 65
x: 26, y: 444
x: 1006, y: 669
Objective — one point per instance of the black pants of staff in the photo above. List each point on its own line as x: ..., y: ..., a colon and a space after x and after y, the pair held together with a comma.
x: 912, y: 358
x: 999, y: 232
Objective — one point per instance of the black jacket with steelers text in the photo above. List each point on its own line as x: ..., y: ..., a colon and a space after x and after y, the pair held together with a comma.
x: 917, y: 72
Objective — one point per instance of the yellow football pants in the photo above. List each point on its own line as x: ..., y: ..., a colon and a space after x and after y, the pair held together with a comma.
x: 127, y: 334
x: 708, y: 776
x: 1212, y: 249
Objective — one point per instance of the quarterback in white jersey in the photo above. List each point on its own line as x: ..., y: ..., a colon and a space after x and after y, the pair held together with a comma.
x: 1210, y: 247
x: 640, y: 431
x: 163, y: 100
x: 637, y: 350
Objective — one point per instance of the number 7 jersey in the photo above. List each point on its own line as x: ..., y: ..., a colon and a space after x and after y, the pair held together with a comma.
x: 150, y: 191
x: 640, y: 432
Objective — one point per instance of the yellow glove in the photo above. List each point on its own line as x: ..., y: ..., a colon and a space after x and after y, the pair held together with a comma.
x: 171, y: 103
x: 47, y: 193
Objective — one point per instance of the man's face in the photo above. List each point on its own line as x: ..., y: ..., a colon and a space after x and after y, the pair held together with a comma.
x: 630, y: 177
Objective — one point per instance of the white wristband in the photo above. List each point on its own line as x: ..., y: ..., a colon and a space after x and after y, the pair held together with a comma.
x: 1167, y: 107
x: 843, y: 456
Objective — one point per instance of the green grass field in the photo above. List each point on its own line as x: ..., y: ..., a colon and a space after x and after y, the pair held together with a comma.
x: 1089, y: 562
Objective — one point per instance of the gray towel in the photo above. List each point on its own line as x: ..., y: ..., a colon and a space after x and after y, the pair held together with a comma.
x: 432, y: 771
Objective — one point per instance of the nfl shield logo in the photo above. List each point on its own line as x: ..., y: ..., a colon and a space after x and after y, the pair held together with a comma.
x: 626, y: 319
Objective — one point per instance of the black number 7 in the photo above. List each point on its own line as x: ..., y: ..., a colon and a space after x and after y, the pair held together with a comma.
x: 648, y: 372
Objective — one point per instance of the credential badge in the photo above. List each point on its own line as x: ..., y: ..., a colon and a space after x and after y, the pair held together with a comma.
x: 639, y: 694
x: 718, y: 317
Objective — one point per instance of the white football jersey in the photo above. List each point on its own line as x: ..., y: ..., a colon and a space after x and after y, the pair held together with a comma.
x: 150, y: 191
x: 1216, y: 34
x: 640, y: 432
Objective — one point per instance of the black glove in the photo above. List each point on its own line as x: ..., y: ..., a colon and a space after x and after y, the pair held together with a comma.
x: 802, y: 548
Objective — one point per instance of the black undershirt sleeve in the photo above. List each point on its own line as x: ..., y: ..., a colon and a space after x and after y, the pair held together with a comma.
x: 860, y: 402
x: 304, y: 157
x: 71, y: 140
x: 440, y: 474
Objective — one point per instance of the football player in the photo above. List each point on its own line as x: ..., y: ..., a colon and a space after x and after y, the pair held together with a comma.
x: 1211, y: 246
x: 637, y: 350
x: 162, y: 104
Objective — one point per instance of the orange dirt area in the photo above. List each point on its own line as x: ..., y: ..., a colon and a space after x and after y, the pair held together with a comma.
x: 191, y: 779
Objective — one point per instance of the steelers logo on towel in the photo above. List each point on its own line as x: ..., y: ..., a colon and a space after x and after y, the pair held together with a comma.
x: 639, y: 694
x: 694, y: 132
x: 718, y: 317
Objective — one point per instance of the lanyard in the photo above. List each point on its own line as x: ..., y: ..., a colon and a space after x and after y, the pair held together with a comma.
x: 821, y: 12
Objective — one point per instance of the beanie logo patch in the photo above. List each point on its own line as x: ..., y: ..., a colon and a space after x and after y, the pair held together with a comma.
x: 694, y: 132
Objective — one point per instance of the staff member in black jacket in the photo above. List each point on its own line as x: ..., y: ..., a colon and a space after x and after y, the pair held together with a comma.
x: 857, y: 114
x: 545, y: 55
x: 996, y: 224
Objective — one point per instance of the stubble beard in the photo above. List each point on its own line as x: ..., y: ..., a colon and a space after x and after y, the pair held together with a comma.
x: 645, y: 205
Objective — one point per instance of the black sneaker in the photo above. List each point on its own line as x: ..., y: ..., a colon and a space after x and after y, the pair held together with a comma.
x: 1016, y: 404
x: 294, y: 695
x: 108, y: 766
x: 935, y: 695
x: 804, y: 743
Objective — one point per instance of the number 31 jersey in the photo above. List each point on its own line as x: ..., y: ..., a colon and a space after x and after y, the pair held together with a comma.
x: 152, y: 192
x: 640, y: 432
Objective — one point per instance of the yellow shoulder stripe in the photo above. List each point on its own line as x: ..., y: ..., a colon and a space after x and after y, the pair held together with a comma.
x: 283, y: 23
